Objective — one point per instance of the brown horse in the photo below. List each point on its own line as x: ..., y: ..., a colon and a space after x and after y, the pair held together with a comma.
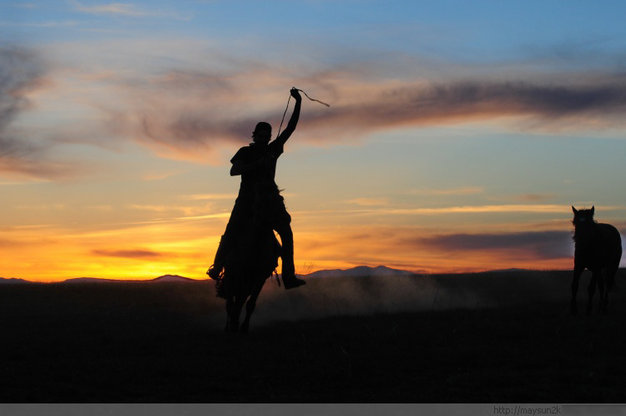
x: 253, y: 260
x: 598, y: 248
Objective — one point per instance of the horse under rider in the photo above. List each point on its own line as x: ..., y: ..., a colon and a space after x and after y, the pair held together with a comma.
x: 259, y: 196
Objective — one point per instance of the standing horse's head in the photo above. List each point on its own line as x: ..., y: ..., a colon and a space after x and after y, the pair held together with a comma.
x: 583, y: 217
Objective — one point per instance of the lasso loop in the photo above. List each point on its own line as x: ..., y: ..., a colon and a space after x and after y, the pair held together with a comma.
x: 287, y: 107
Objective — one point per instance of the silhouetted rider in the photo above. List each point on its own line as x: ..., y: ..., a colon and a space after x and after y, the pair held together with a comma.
x: 259, y: 198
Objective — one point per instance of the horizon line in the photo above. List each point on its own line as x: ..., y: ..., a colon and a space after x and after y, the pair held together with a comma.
x: 408, y: 273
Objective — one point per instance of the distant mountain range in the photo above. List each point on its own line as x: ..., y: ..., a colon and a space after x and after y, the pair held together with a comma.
x: 12, y: 281
x: 360, y: 271
x: 161, y: 279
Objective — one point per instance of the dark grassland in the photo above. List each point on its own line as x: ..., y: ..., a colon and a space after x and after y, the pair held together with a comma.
x: 493, y: 337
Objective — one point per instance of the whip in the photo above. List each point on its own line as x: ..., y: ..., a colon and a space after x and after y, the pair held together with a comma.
x: 287, y: 107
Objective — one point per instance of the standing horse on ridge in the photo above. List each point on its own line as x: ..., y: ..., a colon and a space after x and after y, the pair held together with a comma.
x: 598, y: 248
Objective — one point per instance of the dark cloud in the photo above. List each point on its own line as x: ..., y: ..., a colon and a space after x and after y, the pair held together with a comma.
x: 21, y: 71
x: 601, y: 99
x: 475, y: 99
x: 190, y: 131
x: 539, y: 244
x: 133, y: 254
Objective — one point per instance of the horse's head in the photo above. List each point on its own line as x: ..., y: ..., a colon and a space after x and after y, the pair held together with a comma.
x: 583, y: 217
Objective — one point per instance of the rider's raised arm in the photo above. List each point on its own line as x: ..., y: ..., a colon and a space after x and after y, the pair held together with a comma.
x: 293, y: 121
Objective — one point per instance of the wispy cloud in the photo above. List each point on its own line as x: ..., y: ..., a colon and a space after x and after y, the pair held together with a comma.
x: 598, y: 101
x: 369, y: 202
x: 21, y: 71
x: 483, y: 209
x: 601, y: 103
x: 125, y: 9
x: 132, y: 254
x: 535, y: 197
x: 46, y: 24
x: 122, y: 9
x: 188, y: 109
x: 468, y: 190
x: 207, y: 197
x: 540, y: 245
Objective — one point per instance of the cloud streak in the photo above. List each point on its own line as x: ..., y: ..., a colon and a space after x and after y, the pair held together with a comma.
x: 116, y: 9
x: 22, y: 71
x: 468, y: 100
x: 598, y: 103
x: 475, y: 209
x: 187, y: 109
x: 19, y: 72
x: 131, y: 254
x: 544, y: 245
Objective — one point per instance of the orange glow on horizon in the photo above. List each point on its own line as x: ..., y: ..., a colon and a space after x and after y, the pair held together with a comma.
x: 186, y: 248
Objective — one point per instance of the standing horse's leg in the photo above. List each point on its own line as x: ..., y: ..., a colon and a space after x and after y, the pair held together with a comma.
x: 611, y: 270
x: 577, y: 272
x: 250, y: 305
x: 602, y: 287
x: 591, y: 289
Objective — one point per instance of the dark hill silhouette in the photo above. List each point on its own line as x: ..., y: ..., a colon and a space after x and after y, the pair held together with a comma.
x: 12, y: 280
x: 172, y: 278
x: 361, y: 271
x: 169, y: 278
x: 92, y: 280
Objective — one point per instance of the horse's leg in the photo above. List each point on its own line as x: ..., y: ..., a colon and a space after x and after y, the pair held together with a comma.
x: 602, y: 289
x: 234, y: 310
x: 239, y: 302
x: 577, y: 272
x: 610, y: 279
x: 230, y: 304
x: 610, y: 276
x: 591, y: 289
x: 250, y: 305
x: 234, y: 305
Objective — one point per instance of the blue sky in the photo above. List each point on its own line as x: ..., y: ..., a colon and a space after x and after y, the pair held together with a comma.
x: 447, y: 119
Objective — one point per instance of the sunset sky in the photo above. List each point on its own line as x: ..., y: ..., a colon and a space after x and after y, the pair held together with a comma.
x: 458, y: 136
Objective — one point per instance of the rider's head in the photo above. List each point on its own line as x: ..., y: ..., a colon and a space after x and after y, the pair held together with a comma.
x: 262, y: 133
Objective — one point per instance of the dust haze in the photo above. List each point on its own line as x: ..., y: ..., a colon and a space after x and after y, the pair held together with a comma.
x: 357, y: 296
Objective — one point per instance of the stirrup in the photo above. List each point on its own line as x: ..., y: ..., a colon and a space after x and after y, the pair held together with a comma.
x: 214, y: 272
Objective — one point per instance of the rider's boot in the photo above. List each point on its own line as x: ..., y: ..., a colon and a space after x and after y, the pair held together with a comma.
x: 291, y: 281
